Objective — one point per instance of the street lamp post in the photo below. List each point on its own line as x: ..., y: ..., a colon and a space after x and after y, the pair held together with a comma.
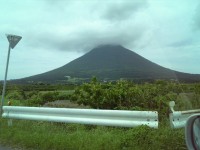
x: 13, y: 40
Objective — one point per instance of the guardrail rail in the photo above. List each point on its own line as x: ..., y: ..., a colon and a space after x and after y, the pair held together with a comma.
x: 122, y: 118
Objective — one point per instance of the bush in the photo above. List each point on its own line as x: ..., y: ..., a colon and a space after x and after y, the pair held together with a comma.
x: 130, y: 96
x: 42, y: 98
x: 63, y: 96
x: 111, y: 96
x: 15, y: 95
x: 49, y: 96
x: 31, y: 94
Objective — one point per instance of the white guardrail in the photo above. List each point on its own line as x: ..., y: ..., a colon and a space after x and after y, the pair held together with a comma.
x: 122, y: 118
x: 178, y: 118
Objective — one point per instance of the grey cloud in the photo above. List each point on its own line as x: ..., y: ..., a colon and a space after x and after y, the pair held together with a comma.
x: 197, y: 18
x: 123, y: 9
x: 86, y: 39
x: 58, y: 5
x: 182, y: 43
x: 71, y: 25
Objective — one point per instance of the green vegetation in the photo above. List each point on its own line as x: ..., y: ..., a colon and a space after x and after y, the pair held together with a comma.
x: 37, y: 95
x: 118, y: 95
x: 130, y: 96
x: 59, y: 136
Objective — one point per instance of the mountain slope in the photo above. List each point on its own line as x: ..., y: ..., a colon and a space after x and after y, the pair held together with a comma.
x: 113, y: 62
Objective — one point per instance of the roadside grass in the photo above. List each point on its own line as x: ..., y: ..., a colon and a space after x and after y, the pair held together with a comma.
x: 60, y: 136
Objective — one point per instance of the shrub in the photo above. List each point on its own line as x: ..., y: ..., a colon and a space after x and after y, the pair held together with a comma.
x: 15, y: 95
x: 42, y: 98
x: 49, y: 96
x: 130, y: 96
x: 120, y: 95
x: 63, y: 96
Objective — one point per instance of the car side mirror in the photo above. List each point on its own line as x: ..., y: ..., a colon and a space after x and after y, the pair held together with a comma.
x: 192, y: 132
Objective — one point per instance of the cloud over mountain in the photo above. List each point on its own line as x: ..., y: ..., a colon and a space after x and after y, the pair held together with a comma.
x: 151, y: 28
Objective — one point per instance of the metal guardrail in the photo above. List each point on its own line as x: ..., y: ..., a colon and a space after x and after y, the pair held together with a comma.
x: 121, y: 118
x: 178, y: 118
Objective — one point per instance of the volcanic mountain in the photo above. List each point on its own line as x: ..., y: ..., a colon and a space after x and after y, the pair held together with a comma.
x: 112, y: 62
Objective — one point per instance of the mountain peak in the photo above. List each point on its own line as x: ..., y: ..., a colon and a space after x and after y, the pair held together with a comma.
x: 109, y: 46
x: 113, y: 62
x: 108, y: 50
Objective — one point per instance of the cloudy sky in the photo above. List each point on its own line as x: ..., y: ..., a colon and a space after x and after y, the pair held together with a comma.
x: 54, y: 32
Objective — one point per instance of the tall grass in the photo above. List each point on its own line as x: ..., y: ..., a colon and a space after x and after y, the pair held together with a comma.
x: 60, y: 136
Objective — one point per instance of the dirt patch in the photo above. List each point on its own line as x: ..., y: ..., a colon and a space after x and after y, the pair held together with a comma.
x: 65, y: 104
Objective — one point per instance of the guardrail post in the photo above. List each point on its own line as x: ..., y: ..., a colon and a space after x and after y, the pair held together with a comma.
x: 10, y: 122
x: 178, y: 118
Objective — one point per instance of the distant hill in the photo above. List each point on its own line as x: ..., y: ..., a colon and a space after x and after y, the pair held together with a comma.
x: 112, y: 62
